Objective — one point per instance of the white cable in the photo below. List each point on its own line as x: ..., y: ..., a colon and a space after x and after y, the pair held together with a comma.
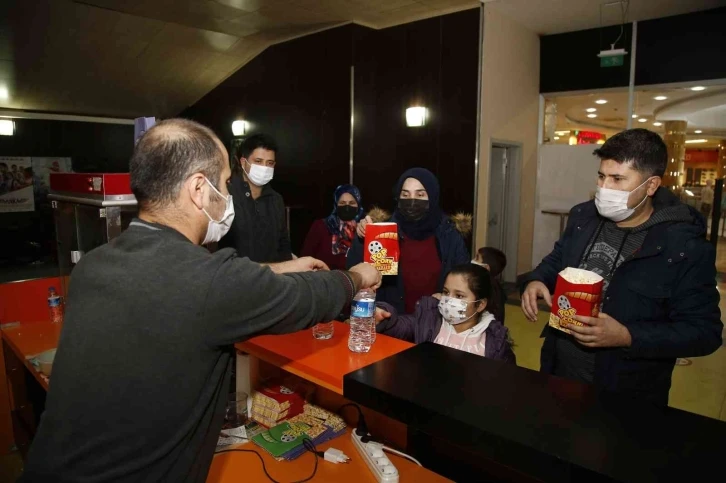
x: 404, y: 455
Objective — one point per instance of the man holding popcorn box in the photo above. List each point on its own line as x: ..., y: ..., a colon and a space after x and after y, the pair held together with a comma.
x: 633, y: 277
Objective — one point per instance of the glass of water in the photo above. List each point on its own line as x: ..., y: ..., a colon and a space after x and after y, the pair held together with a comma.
x: 323, y: 330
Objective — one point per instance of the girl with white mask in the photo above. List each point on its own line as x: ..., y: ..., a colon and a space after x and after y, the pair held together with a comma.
x: 461, y: 319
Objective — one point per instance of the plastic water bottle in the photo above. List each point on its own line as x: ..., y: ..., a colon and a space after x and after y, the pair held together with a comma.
x: 362, y: 321
x: 55, y: 306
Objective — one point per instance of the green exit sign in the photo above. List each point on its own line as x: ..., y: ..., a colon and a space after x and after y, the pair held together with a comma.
x: 611, y: 61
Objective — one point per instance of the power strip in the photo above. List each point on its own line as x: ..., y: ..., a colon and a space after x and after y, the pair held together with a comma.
x: 376, y: 459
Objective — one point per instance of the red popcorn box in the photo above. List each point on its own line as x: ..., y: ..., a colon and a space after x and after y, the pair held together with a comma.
x: 381, y: 247
x: 577, y: 292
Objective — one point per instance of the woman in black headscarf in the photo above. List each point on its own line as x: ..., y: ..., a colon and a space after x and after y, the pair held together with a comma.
x: 430, y: 243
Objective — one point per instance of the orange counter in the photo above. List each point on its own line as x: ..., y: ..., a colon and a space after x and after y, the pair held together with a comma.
x: 236, y: 467
x: 30, y: 339
x: 323, y: 362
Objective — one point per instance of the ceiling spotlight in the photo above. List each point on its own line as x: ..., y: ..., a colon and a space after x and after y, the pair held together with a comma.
x: 592, y: 116
x: 642, y: 119
x: 601, y: 101
x: 660, y: 98
x: 562, y: 133
x: 698, y: 131
x: 557, y: 138
x: 658, y: 124
x: 696, y: 141
x: 634, y: 116
x: 591, y: 109
x: 698, y: 88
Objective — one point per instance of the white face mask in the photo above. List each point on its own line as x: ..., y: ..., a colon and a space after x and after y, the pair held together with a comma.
x: 454, y: 310
x: 217, y: 229
x: 613, y: 204
x: 259, y: 175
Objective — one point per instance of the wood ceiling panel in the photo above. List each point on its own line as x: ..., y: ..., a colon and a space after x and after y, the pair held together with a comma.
x: 155, y: 57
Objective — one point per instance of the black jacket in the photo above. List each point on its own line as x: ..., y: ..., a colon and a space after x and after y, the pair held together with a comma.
x: 259, y: 230
x: 452, y: 252
x: 665, y: 295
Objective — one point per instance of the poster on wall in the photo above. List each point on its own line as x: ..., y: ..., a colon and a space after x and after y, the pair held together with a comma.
x: 42, y: 167
x: 16, y: 184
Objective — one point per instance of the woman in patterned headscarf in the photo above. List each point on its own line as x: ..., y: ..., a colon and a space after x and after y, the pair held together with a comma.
x: 330, y: 238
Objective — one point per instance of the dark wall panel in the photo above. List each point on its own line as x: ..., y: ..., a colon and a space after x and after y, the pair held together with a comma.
x: 682, y: 48
x: 299, y: 93
x: 432, y: 63
x: 569, y: 62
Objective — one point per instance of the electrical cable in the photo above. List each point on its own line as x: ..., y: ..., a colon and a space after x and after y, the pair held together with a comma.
x: 309, y: 445
x: 403, y: 455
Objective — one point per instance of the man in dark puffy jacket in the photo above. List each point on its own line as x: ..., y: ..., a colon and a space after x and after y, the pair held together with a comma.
x: 659, y: 296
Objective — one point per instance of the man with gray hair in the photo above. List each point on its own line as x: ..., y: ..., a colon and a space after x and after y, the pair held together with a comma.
x: 141, y: 376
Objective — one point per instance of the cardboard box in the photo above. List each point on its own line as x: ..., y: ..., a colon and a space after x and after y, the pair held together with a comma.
x: 381, y: 247
x: 577, y: 292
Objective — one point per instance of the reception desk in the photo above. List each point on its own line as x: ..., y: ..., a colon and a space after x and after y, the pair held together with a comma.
x: 467, y: 415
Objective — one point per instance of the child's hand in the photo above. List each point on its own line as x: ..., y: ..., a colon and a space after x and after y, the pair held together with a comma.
x: 381, y: 315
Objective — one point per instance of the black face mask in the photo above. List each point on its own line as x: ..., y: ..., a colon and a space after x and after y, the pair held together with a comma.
x: 346, y: 212
x: 413, y: 210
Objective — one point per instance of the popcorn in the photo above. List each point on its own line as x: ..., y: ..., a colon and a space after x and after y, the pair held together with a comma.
x: 577, y: 292
x: 381, y: 247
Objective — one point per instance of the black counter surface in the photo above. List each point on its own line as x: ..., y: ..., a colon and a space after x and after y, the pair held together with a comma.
x: 545, y: 427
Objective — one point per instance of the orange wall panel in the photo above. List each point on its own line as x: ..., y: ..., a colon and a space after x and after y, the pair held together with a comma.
x: 26, y: 301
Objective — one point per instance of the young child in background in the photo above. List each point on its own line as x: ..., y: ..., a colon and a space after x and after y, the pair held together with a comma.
x: 459, y: 320
x: 495, y: 261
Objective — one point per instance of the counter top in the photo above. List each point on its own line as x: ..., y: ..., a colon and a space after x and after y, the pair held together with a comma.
x: 544, y: 426
x: 323, y: 362
x: 235, y: 467
x: 30, y: 339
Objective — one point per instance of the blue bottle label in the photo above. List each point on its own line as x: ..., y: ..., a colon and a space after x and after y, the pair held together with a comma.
x: 54, y: 301
x: 362, y: 308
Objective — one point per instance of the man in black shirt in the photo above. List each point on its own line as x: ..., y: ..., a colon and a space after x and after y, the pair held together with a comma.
x: 259, y: 231
x: 141, y: 375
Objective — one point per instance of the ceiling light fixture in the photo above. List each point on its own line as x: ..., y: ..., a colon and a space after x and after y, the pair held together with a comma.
x: 601, y: 101
x: 562, y: 133
x: 4, y: 94
x: 642, y: 119
x: 592, y: 116
x: 239, y: 127
x: 658, y: 124
x: 557, y: 138
x: 660, y: 98
x: 696, y: 141
x: 698, y: 131
x: 634, y: 116
x: 591, y: 109
x: 416, y: 116
x: 698, y: 88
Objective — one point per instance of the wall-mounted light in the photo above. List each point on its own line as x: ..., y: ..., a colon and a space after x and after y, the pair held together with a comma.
x: 416, y: 116
x: 7, y: 127
x: 573, y: 140
x: 239, y: 128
